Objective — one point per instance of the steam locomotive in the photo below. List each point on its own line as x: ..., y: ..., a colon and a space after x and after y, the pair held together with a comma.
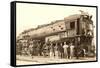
x: 77, y: 29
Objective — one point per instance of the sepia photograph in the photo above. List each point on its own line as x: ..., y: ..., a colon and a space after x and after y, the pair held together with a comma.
x: 54, y: 33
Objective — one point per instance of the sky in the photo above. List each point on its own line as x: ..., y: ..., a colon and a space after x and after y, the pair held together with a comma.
x: 31, y: 15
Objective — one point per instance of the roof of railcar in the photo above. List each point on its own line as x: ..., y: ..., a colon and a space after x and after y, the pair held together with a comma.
x: 72, y: 17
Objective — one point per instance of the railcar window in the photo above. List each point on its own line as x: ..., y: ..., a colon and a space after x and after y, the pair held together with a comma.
x: 72, y: 25
x: 61, y: 28
x: 53, y: 29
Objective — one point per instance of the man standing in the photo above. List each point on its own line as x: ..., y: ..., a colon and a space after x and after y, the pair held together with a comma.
x: 65, y: 47
x: 61, y: 50
x: 51, y: 51
x: 31, y: 50
x: 56, y: 51
x: 71, y: 50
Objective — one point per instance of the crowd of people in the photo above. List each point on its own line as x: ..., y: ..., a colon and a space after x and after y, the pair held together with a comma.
x: 52, y: 50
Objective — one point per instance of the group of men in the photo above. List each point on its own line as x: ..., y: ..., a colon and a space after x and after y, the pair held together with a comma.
x: 62, y: 50
x: 52, y: 50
